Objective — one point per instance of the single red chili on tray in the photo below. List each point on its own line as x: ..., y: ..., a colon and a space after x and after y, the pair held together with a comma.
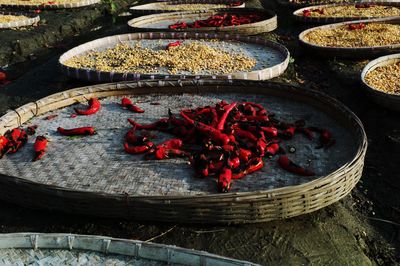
x: 94, y: 107
x: 291, y: 167
x: 39, y: 147
x: 79, y: 131
x: 126, y: 103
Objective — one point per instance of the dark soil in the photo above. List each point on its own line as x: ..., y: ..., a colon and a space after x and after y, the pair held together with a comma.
x: 362, y: 229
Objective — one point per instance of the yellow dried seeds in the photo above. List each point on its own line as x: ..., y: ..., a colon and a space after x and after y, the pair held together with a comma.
x: 11, y: 18
x: 353, y: 11
x: 374, y: 34
x: 193, y: 57
x: 166, y: 6
x: 385, y: 78
x: 36, y: 2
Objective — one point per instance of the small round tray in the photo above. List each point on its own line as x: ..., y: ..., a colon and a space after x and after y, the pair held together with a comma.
x: 32, y: 19
x: 350, y: 52
x: 51, y: 5
x: 272, y: 58
x: 160, y: 22
x: 94, y: 176
x: 72, y: 249
x: 298, y: 14
x: 387, y: 100
x: 154, y: 8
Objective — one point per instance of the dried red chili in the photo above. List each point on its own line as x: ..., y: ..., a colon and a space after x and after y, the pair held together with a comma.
x: 126, y: 103
x: 80, y: 131
x: 94, y: 107
x: 39, y: 147
x: 290, y: 166
x: 356, y: 26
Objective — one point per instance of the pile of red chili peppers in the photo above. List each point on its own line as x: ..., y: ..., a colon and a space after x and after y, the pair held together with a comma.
x: 218, y: 21
x: 227, y: 141
x: 307, y: 12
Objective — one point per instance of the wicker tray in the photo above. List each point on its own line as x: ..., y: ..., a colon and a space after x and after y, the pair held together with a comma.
x: 272, y: 58
x: 32, y: 19
x: 298, y: 14
x: 154, y: 8
x: 46, y: 5
x: 160, y: 22
x: 71, y: 249
x: 94, y: 176
x: 387, y: 100
x: 346, y: 52
x: 296, y: 5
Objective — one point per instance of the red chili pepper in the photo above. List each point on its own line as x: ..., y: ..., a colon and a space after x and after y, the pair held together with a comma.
x: 160, y: 124
x: 31, y: 130
x: 291, y: 167
x: 94, y: 107
x: 237, y: 3
x: 37, y: 11
x: 174, y: 44
x: 83, y: 131
x: 162, y: 153
x: 17, y: 137
x: 126, y: 103
x: 51, y: 3
x: 3, y: 145
x: 222, y: 121
x: 356, y: 26
x: 132, y: 138
x: 326, y: 138
x: 234, y: 162
x: 253, y: 166
x: 244, y: 155
x: 39, y: 147
x: 288, y: 133
x: 172, y: 144
x: 270, y: 132
x: 306, y: 13
x: 138, y: 149
x: 272, y: 149
x: 224, y: 180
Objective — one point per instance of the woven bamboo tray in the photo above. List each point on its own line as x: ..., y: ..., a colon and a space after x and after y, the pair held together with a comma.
x: 95, y: 176
x: 295, y: 5
x: 32, y: 19
x: 154, y: 8
x: 72, y: 249
x: 346, y: 52
x: 46, y: 4
x: 272, y: 58
x: 160, y: 22
x: 298, y: 14
x: 387, y: 100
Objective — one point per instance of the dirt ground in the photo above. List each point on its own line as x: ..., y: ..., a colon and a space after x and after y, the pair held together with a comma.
x: 362, y: 229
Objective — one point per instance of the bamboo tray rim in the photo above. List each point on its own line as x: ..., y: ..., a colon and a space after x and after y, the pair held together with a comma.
x: 80, y: 3
x: 81, y: 73
x: 89, y: 91
x: 362, y: 48
x: 32, y: 19
x: 298, y: 13
x: 109, y: 246
x: 272, y: 17
x: 217, y: 2
x: 380, y: 61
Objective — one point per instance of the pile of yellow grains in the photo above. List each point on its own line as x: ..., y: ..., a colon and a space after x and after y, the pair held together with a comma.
x: 353, y: 11
x: 385, y: 78
x: 11, y: 18
x: 373, y: 34
x: 193, y: 57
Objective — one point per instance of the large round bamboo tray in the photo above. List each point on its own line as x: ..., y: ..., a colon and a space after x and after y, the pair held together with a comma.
x: 32, y: 19
x: 272, y: 58
x: 94, y: 176
x: 387, y: 100
x: 347, y: 52
x: 72, y: 249
x: 154, y: 8
x: 298, y: 14
x: 50, y: 5
x: 299, y: 4
x: 160, y: 22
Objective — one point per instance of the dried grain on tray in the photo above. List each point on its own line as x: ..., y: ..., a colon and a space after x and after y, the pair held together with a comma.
x: 37, y: 2
x: 356, y: 35
x: 385, y: 78
x: 11, y: 18
x: 194, y: 56
x: 191, y: 7
x: 357, y: 10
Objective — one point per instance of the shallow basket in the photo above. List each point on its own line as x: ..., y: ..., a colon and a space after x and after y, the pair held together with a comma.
x: 154, y: 8
x: 298, y: 14
x: 168, y: 190
x: 275, y: 55
x: 46, y: 5
x: 160, y: 22
x: 72, y: 249
x: 349, y: 52
x: 32, y: 19
x: 387, y: 100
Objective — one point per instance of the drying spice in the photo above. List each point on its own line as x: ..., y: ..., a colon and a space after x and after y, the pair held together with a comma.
x: 225, y: 141
x: 94, y: 107
x: 11, y: 18
x: 193, y: 57
x: 222, y: 20
x: 39, y: 147
x: 353, y: 11
x: 36, y: 2
x: 368, y: 34
x: 385, y: 78
x: 190, y: 7
x: 79, y: 131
